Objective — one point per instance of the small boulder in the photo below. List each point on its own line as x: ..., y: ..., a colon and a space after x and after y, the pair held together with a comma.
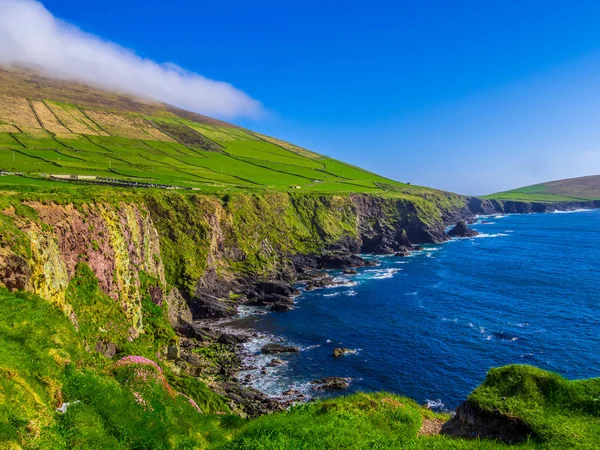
x: 107, y: 349
x: 350, y: 272
x: 331, y: 383
x: 291, y: 392
x: 340, y: 351
x: 228, y: 339
x: 276, y: 362
x: 270, y: 349
x: 173, y: 352
x: 281, y: 307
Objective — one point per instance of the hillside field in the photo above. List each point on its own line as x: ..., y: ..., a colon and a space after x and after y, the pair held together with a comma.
x: 569, y: 190
x: 65, y: 130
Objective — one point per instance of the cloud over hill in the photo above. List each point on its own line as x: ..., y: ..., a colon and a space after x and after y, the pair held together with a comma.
x: 31, y: 35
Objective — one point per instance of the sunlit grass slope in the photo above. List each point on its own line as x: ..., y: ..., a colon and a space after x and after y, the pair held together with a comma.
x: 48, y: 127
x: 569, y: 190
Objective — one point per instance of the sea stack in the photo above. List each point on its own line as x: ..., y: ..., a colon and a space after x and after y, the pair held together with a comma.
x: 461, y: 229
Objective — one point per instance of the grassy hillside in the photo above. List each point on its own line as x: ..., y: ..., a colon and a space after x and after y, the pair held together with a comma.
x: 570, y: 190
x: 136, y: 404
x: 48, y: 127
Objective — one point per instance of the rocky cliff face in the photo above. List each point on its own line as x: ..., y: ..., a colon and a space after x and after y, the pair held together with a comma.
x: 116, y: 241
x: 201, y: 246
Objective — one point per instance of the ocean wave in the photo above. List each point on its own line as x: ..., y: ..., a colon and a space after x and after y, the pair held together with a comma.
x: 411, y: 293
x: 309, y: 347
x: 333, y: 294
x: 380, y: 274
x: 342, y: 282
x: 436, y: 405
x: 572, y: 211
x: 445, y: 319
x: 351, y: 293
x: 488, y: 235
x: 245, y: 311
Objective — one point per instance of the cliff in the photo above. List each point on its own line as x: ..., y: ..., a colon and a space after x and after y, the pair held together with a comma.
x: 196, y: 243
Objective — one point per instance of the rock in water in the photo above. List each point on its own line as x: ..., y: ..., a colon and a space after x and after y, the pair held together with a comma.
x: 461, y: 229
x: 278, y: 348
x: 331, y: 383
x: 340, y: 351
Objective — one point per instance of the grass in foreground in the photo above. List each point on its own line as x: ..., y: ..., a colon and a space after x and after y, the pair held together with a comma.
x: 44, y: 363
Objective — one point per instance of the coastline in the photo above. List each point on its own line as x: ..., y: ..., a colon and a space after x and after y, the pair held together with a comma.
x: 256, y: 371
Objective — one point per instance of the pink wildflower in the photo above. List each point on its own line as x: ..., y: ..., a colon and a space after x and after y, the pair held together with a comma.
x: 191, y: 401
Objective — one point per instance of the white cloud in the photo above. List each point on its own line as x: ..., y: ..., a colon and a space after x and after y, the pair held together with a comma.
x: 30, y: 34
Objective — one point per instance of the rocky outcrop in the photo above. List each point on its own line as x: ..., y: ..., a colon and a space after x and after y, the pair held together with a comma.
x: 331, y: 384
x: 337, y: 352
x: 470, y: 421
x: 461, y: 229
x: 270, y: 349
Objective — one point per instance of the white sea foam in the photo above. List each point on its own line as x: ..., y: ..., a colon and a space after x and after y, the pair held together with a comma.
x: 351, y: 293
x: 445, y: 319
x: 411, y: 293
x: 436, y: 405
x: 333, y: 294
x: 342, y: 282
x: 309, y: 347
x: 571, y: 211
x: 487, y: 235
x: 249, y: 311
x: 381, y: 274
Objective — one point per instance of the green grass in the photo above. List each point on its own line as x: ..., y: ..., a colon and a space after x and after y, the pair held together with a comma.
x: 570, y: 190
x: 200, y: 155
x: 44, y: 361
x: 562, y: 413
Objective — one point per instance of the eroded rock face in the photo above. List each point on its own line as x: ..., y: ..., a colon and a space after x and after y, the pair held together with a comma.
x: 461, y: 229
x: 472, y: 422
x: 116, y: 242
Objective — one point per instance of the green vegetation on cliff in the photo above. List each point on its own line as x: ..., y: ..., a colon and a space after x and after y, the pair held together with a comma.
x: 571, y: 190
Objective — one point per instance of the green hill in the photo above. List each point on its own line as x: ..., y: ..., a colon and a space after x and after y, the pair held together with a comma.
x: 580, y: 189
x: 50, y: 128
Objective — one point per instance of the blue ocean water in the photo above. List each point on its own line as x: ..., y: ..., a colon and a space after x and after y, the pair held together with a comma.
x: 429, y: 326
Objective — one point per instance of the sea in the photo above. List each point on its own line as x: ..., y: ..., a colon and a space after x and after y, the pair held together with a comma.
x: 429, y: 326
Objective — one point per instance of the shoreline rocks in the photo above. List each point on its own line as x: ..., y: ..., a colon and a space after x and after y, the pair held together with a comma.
x: 270, y: 349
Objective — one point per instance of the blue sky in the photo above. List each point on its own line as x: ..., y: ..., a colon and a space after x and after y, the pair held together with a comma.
x: 468, y: 96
